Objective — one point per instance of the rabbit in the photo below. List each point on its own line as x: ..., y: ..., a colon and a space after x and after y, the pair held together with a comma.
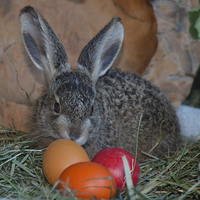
x: 95, y: 105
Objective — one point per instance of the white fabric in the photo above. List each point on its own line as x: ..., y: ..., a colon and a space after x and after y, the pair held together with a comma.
x: 189, y: 118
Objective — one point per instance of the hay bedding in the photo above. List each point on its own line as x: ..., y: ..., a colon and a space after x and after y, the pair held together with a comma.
x: 21, y: 175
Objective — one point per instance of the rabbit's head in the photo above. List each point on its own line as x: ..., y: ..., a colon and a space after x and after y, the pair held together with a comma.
x: 70, y: 94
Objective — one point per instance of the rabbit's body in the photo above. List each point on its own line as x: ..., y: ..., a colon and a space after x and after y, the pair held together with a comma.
x: 95, y: 105
x: 130, y: 110
x: 127, y: 110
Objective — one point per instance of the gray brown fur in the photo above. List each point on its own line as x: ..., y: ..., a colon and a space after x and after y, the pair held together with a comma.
x: 99, y: 107
x: 141, y: 113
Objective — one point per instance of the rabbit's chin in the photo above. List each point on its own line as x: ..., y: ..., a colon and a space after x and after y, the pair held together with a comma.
x: 81, y: 140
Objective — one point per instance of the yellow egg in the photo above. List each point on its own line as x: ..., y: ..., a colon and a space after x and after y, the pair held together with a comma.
x: 59, y: 155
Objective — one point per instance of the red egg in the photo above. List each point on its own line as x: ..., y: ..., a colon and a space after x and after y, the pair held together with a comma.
x: 111, y: 158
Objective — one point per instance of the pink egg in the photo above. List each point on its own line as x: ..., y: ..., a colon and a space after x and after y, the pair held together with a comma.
x: 111, y: 158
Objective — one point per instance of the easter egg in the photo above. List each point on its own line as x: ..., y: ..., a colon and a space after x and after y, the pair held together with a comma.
x: 88, y: 180
x: 59, y: 155
x: 111, y: 158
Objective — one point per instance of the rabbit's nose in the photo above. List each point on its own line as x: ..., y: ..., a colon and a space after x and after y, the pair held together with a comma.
x: 74, y: 133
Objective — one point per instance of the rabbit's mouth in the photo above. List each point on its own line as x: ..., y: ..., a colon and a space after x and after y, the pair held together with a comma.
x: 79, y: 134
x: 85, y: 128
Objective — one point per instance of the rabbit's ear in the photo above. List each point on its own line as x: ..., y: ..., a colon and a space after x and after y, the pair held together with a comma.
x: 99, y: 54
x: 41, y: 43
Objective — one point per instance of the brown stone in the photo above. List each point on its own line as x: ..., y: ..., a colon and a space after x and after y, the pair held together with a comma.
x: 177, y: 57
x: 75, y: 22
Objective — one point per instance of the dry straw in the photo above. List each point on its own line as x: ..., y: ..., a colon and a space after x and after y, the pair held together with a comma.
x: 21, y: 175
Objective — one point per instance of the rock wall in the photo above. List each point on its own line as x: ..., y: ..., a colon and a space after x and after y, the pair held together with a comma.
x: 177, y: 58
x: 172, y: 68
x: 75, y: 22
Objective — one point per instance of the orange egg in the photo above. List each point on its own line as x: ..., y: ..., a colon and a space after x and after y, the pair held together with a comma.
x: 59, y: 155
x: 88, y: 180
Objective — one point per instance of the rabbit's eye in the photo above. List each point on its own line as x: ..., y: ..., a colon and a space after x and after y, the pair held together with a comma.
x: 92, y: 109
x: 56, y: 107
